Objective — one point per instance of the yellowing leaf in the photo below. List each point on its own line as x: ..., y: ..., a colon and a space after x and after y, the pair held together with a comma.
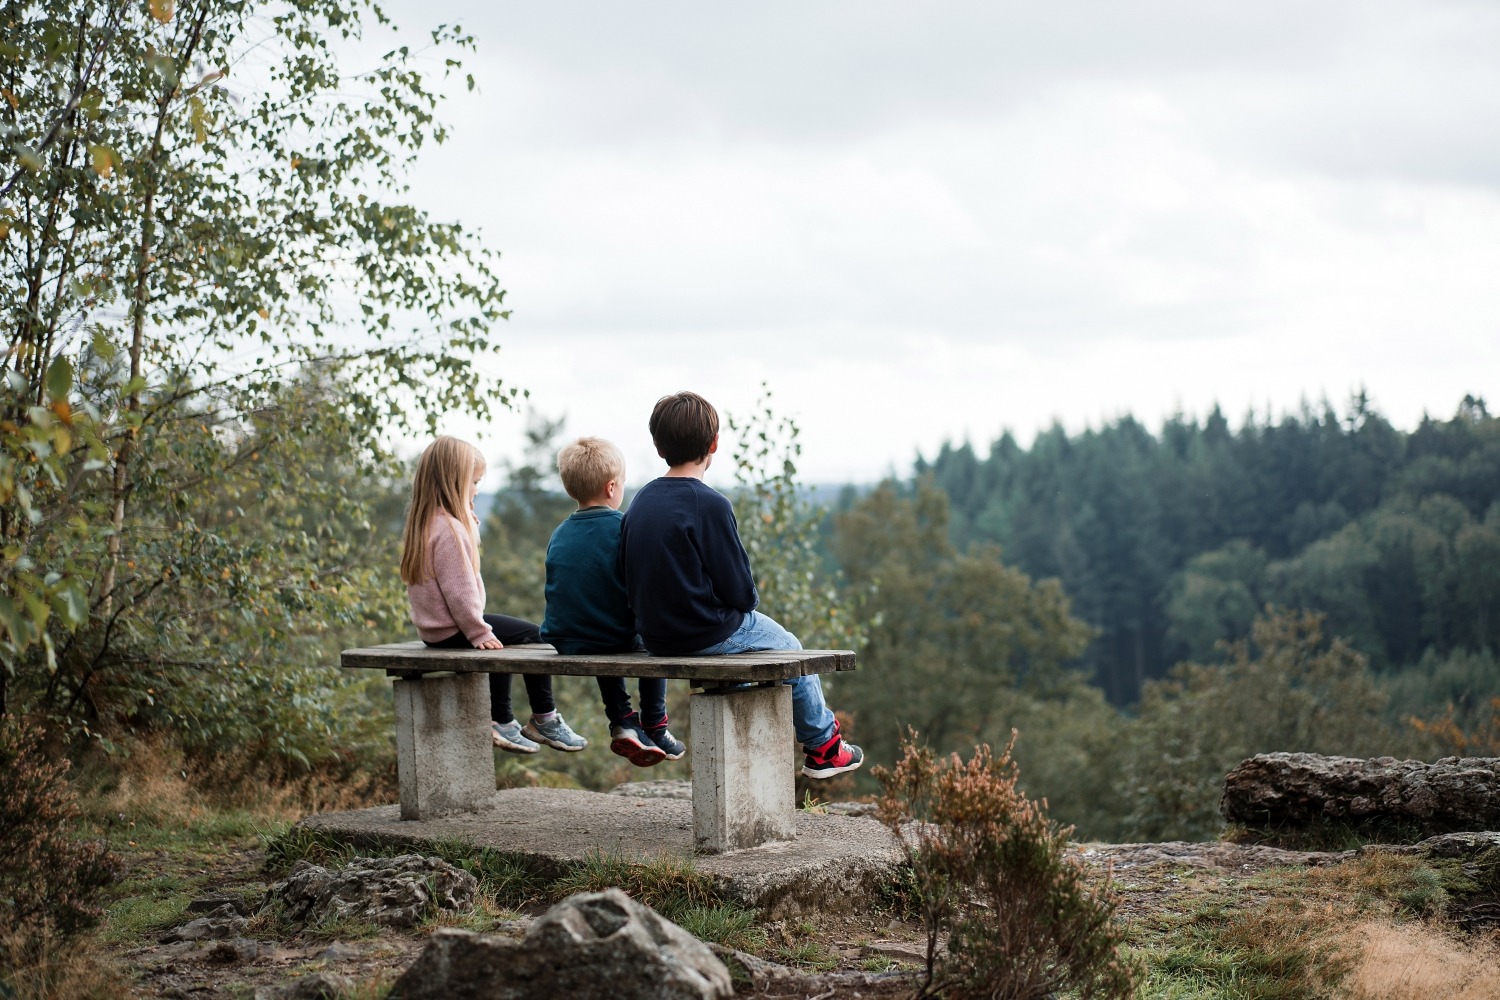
x: 102, y: 159
x: 263, y: 312
x: 62, y: 439
x: 163, y: 10
x: 199, y: 118
x: 5, y: 93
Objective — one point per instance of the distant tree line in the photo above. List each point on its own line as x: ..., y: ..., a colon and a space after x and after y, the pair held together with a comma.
x: 1169, y: 543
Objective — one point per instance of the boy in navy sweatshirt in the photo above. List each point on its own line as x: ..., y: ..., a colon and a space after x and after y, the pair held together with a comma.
x: 586, y: 605
x: 688, y: 578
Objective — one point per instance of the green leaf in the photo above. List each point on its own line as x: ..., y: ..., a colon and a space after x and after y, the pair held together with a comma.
x: 59, y: 377
x: 71, y: 604
x: 103, y: 346
x: 27, y: 157
x: 16, y: 629
x: 163, y: 66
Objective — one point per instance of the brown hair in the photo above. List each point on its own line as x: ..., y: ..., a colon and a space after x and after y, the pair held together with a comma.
x: 444, y: 483
x: 587, y: 465
x: 683, y: 426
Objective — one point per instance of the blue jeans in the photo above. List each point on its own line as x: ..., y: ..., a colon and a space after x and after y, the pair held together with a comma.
x: 811, y: 718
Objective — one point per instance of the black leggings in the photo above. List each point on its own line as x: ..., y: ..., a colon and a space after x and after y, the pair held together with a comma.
x: 511, y: 632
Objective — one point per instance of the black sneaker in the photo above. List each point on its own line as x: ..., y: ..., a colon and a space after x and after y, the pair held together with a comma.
x: 630, y: 741
x: 669, y: 744
x: 834, y: 757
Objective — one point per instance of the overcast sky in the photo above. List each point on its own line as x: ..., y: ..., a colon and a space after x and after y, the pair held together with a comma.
x: 937, y: 221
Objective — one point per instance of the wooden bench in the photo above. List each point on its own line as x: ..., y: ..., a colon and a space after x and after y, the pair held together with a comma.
x: 743, y: 757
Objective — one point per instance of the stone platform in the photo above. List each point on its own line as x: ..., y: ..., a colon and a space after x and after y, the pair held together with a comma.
x: 835, y: 863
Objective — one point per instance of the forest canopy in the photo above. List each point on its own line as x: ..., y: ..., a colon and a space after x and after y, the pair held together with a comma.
x: 1169, y: 543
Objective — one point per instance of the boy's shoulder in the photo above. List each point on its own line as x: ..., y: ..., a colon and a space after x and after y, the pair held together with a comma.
x: 677, y: 489
x: 588, y: 521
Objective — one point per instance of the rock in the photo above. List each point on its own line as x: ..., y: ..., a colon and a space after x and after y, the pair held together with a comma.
x: 223, y: 922
x: 341, y: 951
x: 216, y: 901
x: 1241, y: 858
x: 911, y: 952
x: 395, y: 892
x: 318, y: 986
x: 1466, y: 845
x: 1282, y: 790
x: 761, y: 973
x: 232, y: 951
x: 1475, y: 902
x: 591, y: 946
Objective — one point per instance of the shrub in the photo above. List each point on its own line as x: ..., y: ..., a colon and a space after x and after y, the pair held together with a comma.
x: 48, y: 880
x: 992, y: 875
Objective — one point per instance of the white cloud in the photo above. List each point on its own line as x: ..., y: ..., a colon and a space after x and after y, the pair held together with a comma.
x: 926, y: 222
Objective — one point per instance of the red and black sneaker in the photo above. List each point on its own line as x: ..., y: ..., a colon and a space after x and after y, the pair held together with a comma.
x: 834, y: 757
x: 630, y: 741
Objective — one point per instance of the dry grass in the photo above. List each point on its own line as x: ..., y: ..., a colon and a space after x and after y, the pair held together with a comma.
x: 150, y: 783
x: 42, y: 966
x: 1413, y: 961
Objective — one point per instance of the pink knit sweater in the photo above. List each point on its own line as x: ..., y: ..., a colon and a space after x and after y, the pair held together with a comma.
x: 451, y: 599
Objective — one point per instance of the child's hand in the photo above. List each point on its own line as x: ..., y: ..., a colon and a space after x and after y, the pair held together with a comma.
x: 490, y: 644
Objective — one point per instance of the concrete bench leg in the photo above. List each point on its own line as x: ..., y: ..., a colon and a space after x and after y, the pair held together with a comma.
x: 744, y: 791
x: 444, y: 760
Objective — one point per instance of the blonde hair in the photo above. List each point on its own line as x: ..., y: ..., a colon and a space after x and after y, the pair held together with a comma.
x: 587, y: 465
x: 444, y: 483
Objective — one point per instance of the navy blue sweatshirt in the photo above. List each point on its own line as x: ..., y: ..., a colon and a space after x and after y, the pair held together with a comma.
x: 586, y: 607
x: 686, y: 574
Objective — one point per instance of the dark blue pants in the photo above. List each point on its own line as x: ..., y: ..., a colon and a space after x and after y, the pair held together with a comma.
x: 512, y: 632
x: 617, y: 700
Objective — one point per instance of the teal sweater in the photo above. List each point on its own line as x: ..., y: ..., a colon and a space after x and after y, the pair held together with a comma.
x: 586, y: 607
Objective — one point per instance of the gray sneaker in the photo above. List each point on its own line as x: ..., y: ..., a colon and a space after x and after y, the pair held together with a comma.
x: 555, y: 733
x: 508, y: 737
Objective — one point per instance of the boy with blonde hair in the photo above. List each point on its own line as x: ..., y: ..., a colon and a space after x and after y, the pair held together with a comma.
x: 587, y: 612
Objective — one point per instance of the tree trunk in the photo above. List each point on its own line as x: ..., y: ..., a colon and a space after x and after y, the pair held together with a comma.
x: 138, y: 303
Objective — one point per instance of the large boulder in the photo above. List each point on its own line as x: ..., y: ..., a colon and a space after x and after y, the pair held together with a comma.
x: 395, y: 892
x: 592, y: 946
x: 1297, y: 790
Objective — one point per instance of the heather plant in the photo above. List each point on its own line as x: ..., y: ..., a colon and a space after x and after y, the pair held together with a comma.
x: 48, y: 880
x: 992, y: 875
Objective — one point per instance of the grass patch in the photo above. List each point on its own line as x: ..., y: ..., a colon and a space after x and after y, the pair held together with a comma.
x: 808, y: 954
x: 1278, y: 952
x: 1407, y: 883
x: 668, y: 885
x: 901, y: 894
x: 508, y: 878
x: 1474, y: 890
x: 318, y: 847
x: 726, y: 924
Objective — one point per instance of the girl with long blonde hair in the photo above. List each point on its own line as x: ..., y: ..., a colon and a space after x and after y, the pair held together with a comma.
x: 440, y: 567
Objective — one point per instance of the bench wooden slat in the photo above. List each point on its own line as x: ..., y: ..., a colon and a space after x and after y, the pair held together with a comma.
x: 417, y: 658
